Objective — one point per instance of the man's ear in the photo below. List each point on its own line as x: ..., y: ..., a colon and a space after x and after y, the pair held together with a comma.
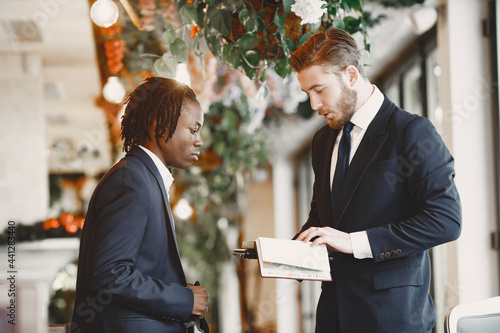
x: 351, y: 74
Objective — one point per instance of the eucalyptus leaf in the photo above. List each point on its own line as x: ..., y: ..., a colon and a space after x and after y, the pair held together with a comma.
x: 282, y: 68
x: 214, y: 44
x: 169, y: 35
x: 219, y: 148
x: 253, y: 58
x: 352, y: 24
x: 262, y: 75
x: 229, y: 119
x: 288, y: 47
x: 357, y: 5
x: 247, y: 20
x: 179, y: 50
x: 339, y: 23
x: 279, y: 20
x: 248, y: 42
x: 315, y: 26
x: 189, y: 13
x: 231, y: 55
x: 167, y: 56
x: 165, y: 68
x: 220, y: 19
x: 303, y: 38
x: 233, y: 5
x: 260, y: 24
x: 250, y: 63
x: 345, y: 5
x: 287, y: 6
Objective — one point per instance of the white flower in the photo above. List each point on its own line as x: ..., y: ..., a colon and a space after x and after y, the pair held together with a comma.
x: 309, y: 11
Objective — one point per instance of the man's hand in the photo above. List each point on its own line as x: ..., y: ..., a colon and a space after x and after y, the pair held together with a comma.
x: 336, y: 240
x: 200, y: 306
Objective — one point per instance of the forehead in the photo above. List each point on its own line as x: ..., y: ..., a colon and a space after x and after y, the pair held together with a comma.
x: 313, y: 76
x: 191, y: 112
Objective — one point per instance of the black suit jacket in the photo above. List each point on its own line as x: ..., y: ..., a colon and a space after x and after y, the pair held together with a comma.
x: 130, y: 277
x: 400, y: 188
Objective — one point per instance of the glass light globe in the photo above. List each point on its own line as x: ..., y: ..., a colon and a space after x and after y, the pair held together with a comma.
x: 113, y: 91
x: 104, y: 13
x: 183, y: 210
x: 182, y: 74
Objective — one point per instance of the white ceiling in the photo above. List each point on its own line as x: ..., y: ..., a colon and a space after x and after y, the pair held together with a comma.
x: 70, y: 70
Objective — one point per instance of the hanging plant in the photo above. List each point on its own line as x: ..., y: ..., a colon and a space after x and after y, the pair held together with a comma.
x: 253, y: 35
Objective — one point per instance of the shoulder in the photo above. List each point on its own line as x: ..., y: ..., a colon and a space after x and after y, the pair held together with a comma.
x: 324, y: 133
x: 130, y: 171
x: 406, y: 123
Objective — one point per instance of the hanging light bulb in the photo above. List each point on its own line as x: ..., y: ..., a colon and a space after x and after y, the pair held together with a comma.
x: 104, y: 13
x: 113, y: 91
x: 183, y: 209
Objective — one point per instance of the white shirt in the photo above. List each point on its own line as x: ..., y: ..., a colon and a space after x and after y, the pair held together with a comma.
x: 361, y: 120
x: 166, y: 176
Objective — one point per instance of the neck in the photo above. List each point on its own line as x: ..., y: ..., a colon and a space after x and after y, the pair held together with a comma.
x: 365, y: 90
x: 153, y: 147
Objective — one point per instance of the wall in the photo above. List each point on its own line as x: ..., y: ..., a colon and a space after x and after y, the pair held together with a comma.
x: 23, y: 165
x: 467, y: 105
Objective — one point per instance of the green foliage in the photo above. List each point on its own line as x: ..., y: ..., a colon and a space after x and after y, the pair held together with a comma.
x: 34, y: 232
x: 217, y: 20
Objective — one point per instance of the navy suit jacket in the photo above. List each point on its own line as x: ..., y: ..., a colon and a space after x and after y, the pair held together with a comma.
x: 130, y: 277
x: 400, y: 188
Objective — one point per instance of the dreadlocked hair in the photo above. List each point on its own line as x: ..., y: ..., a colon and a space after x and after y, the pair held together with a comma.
x: 157, y: 101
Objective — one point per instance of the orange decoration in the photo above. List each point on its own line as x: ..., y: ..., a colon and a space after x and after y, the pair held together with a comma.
x: 79, y: 222
x: 71, y: 228
x: 114, y: 49
x: 50, y: 224
x: 194, y: 30
x: 66, y: 218
x: 112, y: 30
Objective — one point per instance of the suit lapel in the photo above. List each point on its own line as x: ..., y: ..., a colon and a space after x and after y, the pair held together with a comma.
x: 323, y: 186
x: 375, y: 136
x: 143, y: 156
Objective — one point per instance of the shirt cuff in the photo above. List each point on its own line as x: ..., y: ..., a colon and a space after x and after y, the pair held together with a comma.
x: 360, y: 245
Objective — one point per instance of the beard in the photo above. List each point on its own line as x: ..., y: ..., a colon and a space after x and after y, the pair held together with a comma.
x: 346, y: 108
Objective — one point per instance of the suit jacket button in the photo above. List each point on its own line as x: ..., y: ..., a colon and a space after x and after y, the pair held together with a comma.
x: 398, y: 252
x: 393, y: 253
x: 387, y: 254
x: 381, y: 256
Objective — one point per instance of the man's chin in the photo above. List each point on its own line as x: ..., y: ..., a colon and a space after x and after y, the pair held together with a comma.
x: 334, y: 124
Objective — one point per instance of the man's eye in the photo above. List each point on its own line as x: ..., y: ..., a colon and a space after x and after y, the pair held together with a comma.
x: 319, y: 90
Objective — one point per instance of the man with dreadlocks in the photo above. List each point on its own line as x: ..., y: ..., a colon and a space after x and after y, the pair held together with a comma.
x: 130, y: 278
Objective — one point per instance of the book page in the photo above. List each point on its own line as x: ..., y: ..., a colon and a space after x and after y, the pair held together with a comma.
x: 292, y: 259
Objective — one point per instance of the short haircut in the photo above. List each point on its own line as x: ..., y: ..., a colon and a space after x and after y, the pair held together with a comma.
x: 332, y: 49
x: 156, y: 102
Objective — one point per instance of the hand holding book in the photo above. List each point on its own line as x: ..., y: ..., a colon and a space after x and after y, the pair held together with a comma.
x: 281, y: 258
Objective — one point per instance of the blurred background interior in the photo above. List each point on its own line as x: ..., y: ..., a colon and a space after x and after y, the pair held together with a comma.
x: 62, y: 82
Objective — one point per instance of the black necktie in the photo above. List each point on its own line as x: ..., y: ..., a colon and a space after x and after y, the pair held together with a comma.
x: 342, y: 162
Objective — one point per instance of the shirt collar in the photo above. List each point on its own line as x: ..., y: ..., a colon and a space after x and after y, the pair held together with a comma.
x: 365, y: 114
x: 165, y: 174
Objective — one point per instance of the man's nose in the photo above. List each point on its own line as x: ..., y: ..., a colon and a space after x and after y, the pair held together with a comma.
x: 198, y: 142
x: 315, y: 103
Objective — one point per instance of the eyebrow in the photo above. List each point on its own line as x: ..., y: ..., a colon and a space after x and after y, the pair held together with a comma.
x: 314, y: 86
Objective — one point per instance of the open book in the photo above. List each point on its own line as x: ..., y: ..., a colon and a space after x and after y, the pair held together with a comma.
x: 290, y: 259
